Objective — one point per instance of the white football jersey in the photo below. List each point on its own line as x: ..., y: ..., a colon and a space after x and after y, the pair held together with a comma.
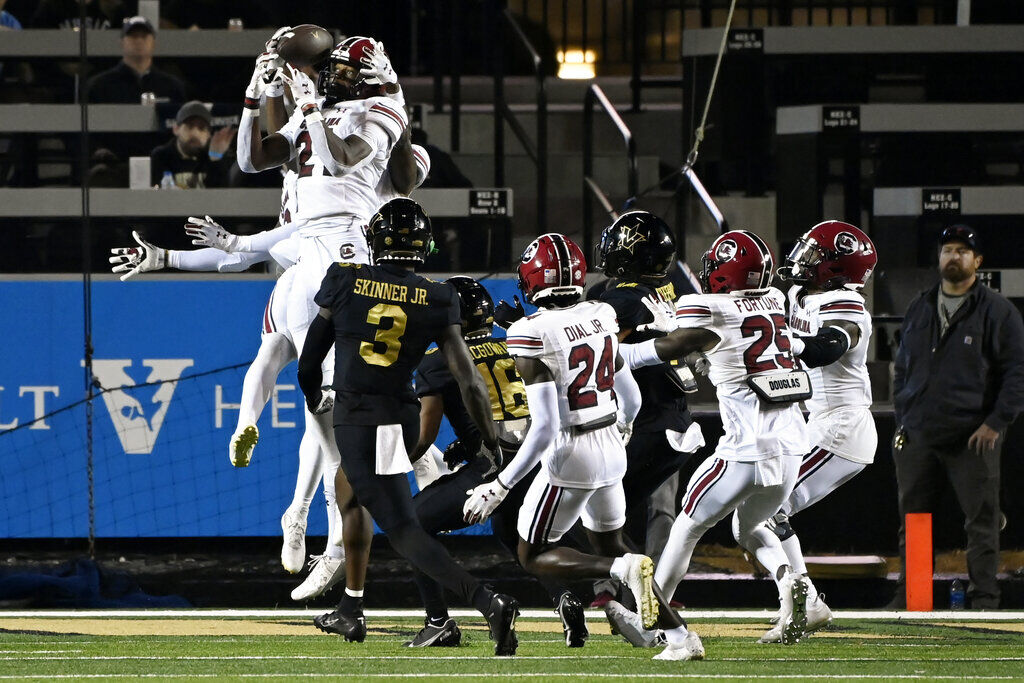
x: 754, y: 341
x: 288, y: 196
x: 320, y: 195
x: 579, y: 345
x: 386, y: 191
x: 845, y: 383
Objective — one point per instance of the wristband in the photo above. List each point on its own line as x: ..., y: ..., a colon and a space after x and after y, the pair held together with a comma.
x: 216, y: 156
x: 498, y: 479
x: 252, y: 103
x: 312, y: 112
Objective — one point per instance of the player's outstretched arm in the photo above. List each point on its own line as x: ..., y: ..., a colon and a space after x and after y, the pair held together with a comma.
x: 471, y: 384
x: 134, y: 260
x: 319, y: 340
x: 256, y: 153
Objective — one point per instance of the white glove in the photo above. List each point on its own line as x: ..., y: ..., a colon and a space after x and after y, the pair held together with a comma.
x: 209, y: 233
x: 274, y: 83
x: 265, y: 64
x: 482, y: 501
x: 377, y: 66
x: 326, y: 401
x: 664, y: 316
x: 134, y: 260
x: 303, y: 89
x: 625, y: 431
x: 700, y: 363
x: 283, y: 33
x: 425, y: 470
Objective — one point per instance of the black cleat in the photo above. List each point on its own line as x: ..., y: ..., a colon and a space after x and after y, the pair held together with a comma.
x: 501, y: 620
x: 445, y: 635
x: 353, y: 628
x: 574, y: 624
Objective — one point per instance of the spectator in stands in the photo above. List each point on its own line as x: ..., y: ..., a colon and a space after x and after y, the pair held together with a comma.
x: 65, y: 14
x: 196, y: 14
x: 959, y: 382
x: 194, y: 157
x: 135, y: 73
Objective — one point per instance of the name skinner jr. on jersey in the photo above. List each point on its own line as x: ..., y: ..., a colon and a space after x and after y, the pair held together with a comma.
x: 384, y: 317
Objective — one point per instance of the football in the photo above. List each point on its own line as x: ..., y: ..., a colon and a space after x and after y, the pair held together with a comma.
x: 306, y: 45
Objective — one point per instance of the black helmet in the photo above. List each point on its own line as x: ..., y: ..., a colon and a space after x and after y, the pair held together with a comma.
x: 400, y: 231
x: 637, y: 245
x: 476, y: 305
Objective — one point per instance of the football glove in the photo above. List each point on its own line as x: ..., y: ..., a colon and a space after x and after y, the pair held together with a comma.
x: 425, y: 470
x: 209, y: 233
x: 280, y: 34
x: 482, y: 501
x: 457, y: 453
x: 134, y: 260
x: 625, y: 431
x: 325, y: 403
x: 699, y: 362
x: 265, y: 63
x: 664, y: 316
x: 303, y: 89
x: 505, y: 313
x: 377, y: 66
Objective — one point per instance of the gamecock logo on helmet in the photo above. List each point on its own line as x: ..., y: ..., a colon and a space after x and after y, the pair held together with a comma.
x: 846, y: 243
x: 531, y: 251
x: 725, y: 251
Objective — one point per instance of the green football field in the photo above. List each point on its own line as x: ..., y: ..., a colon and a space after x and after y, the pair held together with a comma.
x: 285, y: 645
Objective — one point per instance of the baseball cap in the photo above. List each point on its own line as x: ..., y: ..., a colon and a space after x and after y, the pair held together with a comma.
x: 191, y: 109
x: 962, y: 233
x: 138, y: 21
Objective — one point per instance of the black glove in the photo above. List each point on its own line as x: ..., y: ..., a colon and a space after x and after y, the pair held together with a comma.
x: 492, y: 456
x: 505, y: 313
x: 458, y: 452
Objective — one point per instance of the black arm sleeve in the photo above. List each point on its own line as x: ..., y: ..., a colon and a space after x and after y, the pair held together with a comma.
x: 318, y: 342
x: 828, y: 347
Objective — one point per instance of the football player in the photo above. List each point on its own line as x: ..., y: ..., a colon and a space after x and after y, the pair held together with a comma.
x: 637, y: 252
x: 739, y: 323
x: 582, y: 398
x: 439, y: 505
x: 828, y: 266
x: 381, y: 319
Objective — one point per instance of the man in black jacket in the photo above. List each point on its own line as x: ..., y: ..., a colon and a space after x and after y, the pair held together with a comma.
x: 959, y: 383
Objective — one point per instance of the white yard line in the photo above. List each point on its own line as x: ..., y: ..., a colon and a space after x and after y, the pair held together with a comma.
x: 870, y: 615
x: 471, y: 658
x: 513, y: 675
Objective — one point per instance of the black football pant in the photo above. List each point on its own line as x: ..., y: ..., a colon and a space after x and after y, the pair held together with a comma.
x: 650, y: 461
x: 439, y: 508
x: 920, y: 470
x: 389, y: 501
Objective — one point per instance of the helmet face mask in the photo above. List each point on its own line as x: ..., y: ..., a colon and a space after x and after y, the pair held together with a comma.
x: 339, y: 78
x: 400, y: 232
x: 476, y: 305
x: 637, y: 246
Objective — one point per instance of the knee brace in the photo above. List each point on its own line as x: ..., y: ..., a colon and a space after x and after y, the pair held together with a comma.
x: 779, y: 523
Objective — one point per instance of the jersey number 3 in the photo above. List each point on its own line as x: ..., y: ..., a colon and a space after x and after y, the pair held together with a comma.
x: 386, y: 344
x: 579, y: 397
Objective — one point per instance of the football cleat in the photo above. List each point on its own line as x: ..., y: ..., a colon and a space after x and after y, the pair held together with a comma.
x: 293, y: 549
x: 627, y: 623
x: 445, y: 635
x: 602, y: 599
x: 323, y: 574
x: 818, y: 614
x: 574, y: 623
x: 793, y: 619
x: 501, y: 621
x: 353, y: 628
x: 242, y: 444
x: 690, y: 648
x: 639, y: 577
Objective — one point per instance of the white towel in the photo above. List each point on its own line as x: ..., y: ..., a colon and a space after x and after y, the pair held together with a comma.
x: 392, y: 457
x: 686, y: 442
x: 769, y: 472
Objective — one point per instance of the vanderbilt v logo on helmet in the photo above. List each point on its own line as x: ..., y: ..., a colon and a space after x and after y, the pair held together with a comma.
x: 400, y: 231
x: 637, y: 245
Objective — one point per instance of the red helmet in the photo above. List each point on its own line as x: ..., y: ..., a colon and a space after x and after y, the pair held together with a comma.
x: 738, y: 260
x: 353, y: 52
x: 552, y: 266
x: 831, y: 255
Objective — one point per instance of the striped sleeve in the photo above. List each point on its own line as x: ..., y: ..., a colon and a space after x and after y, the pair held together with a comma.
x: 422, y: 164
x: 846, y: 307
x: 389, y: 116
x: 693, y: 311
x: 524, y: 339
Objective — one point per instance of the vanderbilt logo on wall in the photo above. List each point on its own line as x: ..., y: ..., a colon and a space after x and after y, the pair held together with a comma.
x: 137, y: 423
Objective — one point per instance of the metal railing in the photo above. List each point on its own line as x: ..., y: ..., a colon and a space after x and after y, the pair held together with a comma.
x: 505, y: 24
x: 590, y: 187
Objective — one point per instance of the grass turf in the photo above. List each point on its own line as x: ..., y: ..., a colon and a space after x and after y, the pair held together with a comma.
x: 48, y: 648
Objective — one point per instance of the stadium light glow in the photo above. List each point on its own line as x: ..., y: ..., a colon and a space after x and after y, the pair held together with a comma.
x: 576, y: 64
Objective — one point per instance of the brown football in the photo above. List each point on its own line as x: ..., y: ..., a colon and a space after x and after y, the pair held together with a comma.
x: 308, y: 45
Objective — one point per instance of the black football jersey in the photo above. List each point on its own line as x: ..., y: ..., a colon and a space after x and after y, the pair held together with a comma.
x: 505, y: 386
x: 664, y: 404
x: 385, y: 317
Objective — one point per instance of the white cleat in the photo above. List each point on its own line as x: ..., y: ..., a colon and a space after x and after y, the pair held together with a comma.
x: 793, y: 618
x: 818, y: 614
x: 639, y: 577
x: 690, y: 648
x: 324, y: 573
x: 629, y: 626
x: 242, y: 444
x: 293, y: 550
